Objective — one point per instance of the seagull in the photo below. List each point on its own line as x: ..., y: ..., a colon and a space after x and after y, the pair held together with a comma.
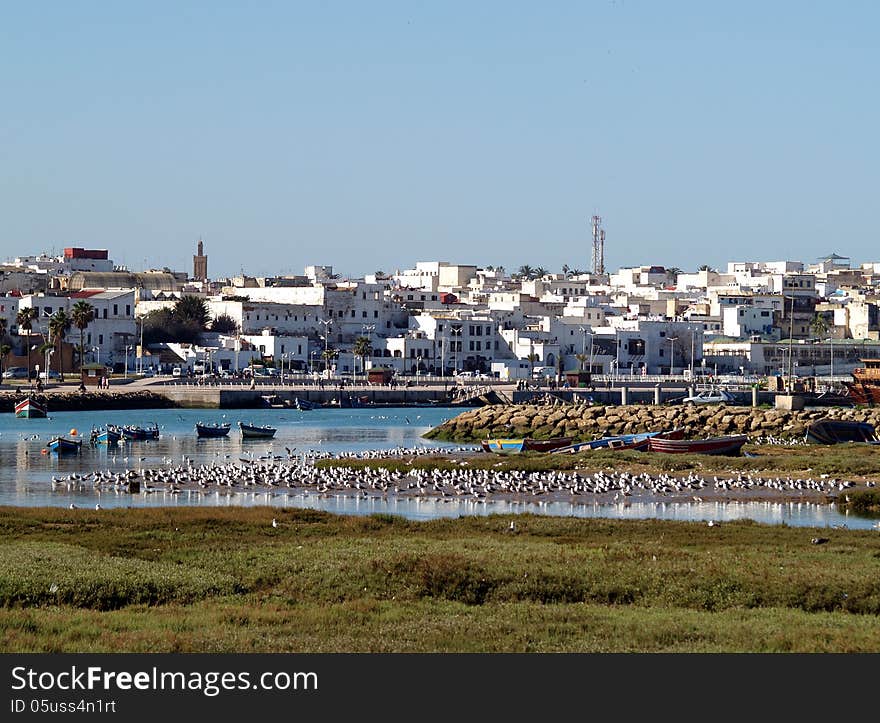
x: 98, y: 507
x: 72, y: 506
x: 819, y: 540
x: 512, y: 526
x: 711, y: 523
x: 274, y: 522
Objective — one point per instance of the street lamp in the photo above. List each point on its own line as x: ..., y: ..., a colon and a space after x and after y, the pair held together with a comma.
x: 672, y: 340
x: 127, y: 350
x: 49, y: 353
x: 368, y: 330
x: 326, y: 323
x: 455, y: 330
x: 97, y: 349
x: 283, y: 359
x: 312, y: 361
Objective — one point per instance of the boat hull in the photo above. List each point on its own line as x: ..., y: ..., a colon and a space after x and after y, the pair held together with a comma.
x: 729, y: 446
x: 60, y: 445
x: 502, y: 446
x: 106, y: 436
x: 30, y: 408
x: 208, y: 430
x: 251, y: 431
x: 639, y: 442
x: 836, y: 431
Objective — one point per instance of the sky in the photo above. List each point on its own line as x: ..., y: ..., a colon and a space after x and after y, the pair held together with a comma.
x: 372, y: 135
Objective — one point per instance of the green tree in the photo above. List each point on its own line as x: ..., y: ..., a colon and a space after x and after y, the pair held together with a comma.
x: 5, y: 349
x: 82, y: 314
x: 672, y: 274
x: 224, y: 324
x: 25, y: 320
x: 329, y: 354
x: 525, y: 272
x: 59, y: 324
x: 362, y: 348
x: 539, y: 272
x: 192, y: 309
x: 583, y: 359
x: 820, y: 326
x: 532, y: 359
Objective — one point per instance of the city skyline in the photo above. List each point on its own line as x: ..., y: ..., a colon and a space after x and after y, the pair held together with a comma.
x: 374, y: 137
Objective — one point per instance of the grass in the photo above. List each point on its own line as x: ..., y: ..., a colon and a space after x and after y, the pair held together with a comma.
x: 196, y: 579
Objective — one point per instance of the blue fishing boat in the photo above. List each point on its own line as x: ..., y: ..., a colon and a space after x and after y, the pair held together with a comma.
x: 62, y: 445
x: 503, y: 446
x: 639, y: 441
x: 255, y: 431
x: 212, y: 429
x: 111, y: 435
x: 135, y: 432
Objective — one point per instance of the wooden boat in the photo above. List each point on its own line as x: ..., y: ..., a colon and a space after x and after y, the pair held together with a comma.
x: 134, y: 432
x: 545, y: 445
x: 212, y: 429
x: 865, y: 385
x: 254, y: 431
x: 638, y: 441
x: 111, y: 435
x: 729, y: 445
x: 62, y: 445
x: 836, y: 431
x: 29, y: 407
x: 502, y: 446
x: 304, y: 405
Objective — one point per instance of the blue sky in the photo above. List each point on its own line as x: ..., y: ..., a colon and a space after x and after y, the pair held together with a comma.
x: 372, y: 135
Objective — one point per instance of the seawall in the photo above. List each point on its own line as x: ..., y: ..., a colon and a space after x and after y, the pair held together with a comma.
x: 585, y: 422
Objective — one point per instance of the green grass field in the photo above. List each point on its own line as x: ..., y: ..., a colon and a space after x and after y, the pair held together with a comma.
x: 225, y: 580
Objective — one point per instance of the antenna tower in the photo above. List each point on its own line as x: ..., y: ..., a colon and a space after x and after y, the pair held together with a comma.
x: 598, y: 246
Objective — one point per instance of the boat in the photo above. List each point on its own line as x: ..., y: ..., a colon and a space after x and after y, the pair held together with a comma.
x: 637, y: 441
x: 212, y: 429
x: 502, y: 446
x: 111, y: 435
x: 255, y: 431
x: 62, y: 445
x: 273, y: 401
x: 135, y: 432
x: 729, y: 445
x: 304, y: 405
x: 865, y: 385
x: 29, y: 407
x: 836, y: 431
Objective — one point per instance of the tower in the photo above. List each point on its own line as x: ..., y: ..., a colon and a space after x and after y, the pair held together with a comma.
x: 200, y: 264
x: 598, y: 246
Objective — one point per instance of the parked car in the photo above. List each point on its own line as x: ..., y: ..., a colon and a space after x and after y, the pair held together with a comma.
x: 50, y: 375
x: 15, y: 373
x: 715, y: 396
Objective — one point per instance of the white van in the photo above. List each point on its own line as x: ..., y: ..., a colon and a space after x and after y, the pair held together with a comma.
x: 176, y: 372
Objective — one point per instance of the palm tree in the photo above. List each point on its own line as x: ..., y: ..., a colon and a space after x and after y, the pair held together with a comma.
x: 705, y: 267
x: 82, y: 314
x: 329, y: 355
x: 4, y: 352
x: 672, y: 274
x: 59, y: 325
x: 192, y: 309
x: 539, y: 272
x: 565, y: 270
x: 582, y: 358
x: 362, y: 348
x: 532, y: 359
x: 526, y: 271
x: 25, y: 319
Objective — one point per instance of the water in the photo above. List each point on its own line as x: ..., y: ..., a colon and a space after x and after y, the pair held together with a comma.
x: 26, y: 473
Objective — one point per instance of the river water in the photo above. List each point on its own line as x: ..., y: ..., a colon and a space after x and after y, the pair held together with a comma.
x: 26, y: 470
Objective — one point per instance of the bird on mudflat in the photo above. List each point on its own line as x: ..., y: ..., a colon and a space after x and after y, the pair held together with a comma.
x: 274, y: 522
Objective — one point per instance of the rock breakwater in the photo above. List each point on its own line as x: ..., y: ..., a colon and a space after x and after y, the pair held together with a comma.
x: 585, y: 422
x: 87, y: 401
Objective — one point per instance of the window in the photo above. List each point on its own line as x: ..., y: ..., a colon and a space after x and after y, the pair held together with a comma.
x: 128, y: 309
x: 101, y: 336
x: 105, y: 312
x: 376, y: 314
x: 115, y: 310
x: 352, y: 313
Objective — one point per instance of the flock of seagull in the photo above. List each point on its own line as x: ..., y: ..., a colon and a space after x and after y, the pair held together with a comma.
x: 298, y: 474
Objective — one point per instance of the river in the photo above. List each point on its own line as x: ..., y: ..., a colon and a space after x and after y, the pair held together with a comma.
x: 26, y: 470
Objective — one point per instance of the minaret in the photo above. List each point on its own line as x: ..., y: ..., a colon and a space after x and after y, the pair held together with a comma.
x: 200, y: 264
